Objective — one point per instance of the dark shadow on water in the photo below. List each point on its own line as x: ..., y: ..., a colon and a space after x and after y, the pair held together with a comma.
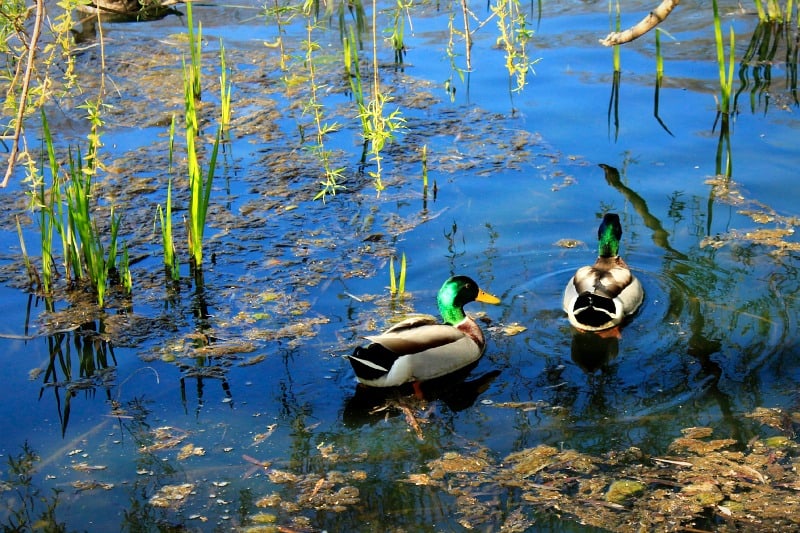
x: 755, y: 68
x: 656, y: 95
x: 365, y: 405
x: 206, y: 366
x: 660, y: 235
x: 700, y: 347
x: 613, y: 106
x: 80, y: 361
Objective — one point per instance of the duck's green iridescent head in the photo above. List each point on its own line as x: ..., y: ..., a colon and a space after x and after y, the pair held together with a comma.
x: 456, y: 293
x: 609, y: 233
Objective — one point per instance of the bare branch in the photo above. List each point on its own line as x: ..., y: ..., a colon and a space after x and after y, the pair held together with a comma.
x: 646, y: 24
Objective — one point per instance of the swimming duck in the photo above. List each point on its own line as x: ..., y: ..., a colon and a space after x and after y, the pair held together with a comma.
x: 115, y: 10
x: 419, y: 348
x: 601, y: 296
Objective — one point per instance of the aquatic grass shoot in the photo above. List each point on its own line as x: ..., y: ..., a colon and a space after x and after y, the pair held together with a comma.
x: 397, y: 285
x: 199, y: 185
x: 84, y: 254
x: 724, y: 111
x: 171, y: 262
x: 424, y: 171
x: 613, y: 102
x: 195, y: 52
x: 725, y: 75
x: 773, y: 11
x: 225, y: 88
x: 96, y: 261
x: 167, y: 241
x: 398, y: 30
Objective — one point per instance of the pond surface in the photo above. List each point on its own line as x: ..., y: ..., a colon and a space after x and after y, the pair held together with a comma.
x: 225, y: 402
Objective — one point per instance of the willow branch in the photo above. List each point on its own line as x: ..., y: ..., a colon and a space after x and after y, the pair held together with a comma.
x: 653, y: 19
x: 26, y: 84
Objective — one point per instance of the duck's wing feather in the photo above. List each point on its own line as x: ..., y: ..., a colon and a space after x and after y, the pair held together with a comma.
x: 423, y: 336
x: 411, y: 322
x: 376, y: 360
x: 603, y: 280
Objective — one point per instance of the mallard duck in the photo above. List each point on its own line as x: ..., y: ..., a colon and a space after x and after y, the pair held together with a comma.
x: 419, y: 348
x: 601, y: 296
x: 115, y: 10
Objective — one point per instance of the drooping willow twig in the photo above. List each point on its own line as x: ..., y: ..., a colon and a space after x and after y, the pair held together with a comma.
x: 26, y: 83
x: 653, y: 19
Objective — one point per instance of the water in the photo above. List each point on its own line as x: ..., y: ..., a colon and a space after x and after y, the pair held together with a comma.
x: 238, y: 387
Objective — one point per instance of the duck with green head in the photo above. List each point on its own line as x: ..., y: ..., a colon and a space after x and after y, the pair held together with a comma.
x: 601, y: 296
x: 419, y: 348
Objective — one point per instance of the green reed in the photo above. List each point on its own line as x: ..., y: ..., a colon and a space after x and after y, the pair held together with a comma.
x: 424, y: 171
x: 167, y: 241
x: 50, y: 209
x: 659, y: 58
x: 195, y: 52
x: 225, y: 88
x: 725, y: 77
x: 165, y: 215
x: 615, y: 11
x: 398, y: 30
x: 199, y: 184
x: 95, y: 262
x: 397, y: 285
x: 85, y: 255
x: 773, y: 11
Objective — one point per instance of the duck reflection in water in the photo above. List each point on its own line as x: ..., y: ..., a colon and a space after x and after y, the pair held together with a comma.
x: 592, y: 352
x: 369, y: 405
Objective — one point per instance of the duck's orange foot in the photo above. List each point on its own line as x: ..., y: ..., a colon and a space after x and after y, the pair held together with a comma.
x: 418, y: 390
x: 611, y: 333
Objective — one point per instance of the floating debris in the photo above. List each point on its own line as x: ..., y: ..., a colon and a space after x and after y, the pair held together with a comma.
x: 623, y: 490
x: 171, y: 496
x: 569, y: 243
x: 512, y: 329
x: 166, y: 438
x: 190, y: 450
x: 705, y: 479
x: 91, y: 485
x: 258, y: 438
x: 85, y: 467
